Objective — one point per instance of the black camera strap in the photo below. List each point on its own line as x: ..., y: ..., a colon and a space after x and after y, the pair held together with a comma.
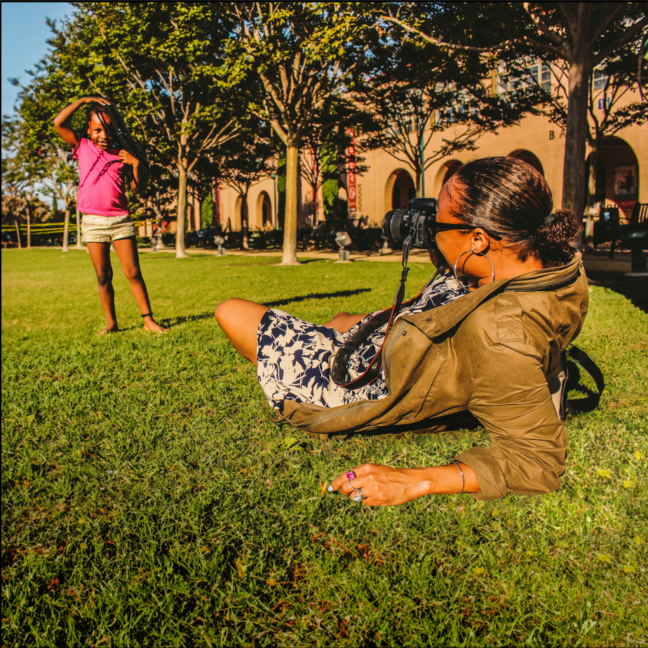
x: 341, y: 359
x: 590, y: 402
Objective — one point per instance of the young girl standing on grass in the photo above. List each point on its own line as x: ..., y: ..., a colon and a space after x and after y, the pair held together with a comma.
x: 109, y: 158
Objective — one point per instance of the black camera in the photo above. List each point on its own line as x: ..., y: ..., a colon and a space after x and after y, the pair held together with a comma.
x: 416, y: 221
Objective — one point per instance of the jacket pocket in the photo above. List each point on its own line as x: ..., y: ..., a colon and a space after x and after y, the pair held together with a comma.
x: 424, y: 389
x: 410, y: 381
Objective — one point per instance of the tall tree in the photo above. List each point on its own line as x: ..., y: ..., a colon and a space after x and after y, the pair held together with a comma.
x: 23, y: 169
x: 52, y: 168
x: 583, y: 34
x: 161, y: 62
x: 303, y: 54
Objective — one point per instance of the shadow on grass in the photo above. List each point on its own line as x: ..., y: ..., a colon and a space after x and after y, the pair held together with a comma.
x: 340, y: 293
x: 182, y: 319
x: 633, y: 288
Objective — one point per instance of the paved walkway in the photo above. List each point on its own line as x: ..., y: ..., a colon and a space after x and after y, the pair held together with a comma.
x: 416, y: 255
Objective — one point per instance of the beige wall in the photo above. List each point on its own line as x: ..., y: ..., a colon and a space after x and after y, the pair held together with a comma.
x: 535, y: 134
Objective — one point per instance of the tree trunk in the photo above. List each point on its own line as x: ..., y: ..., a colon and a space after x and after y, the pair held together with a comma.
x: 591, y: 198
x: 290, y: 221
x: 575, y: 137
x: 28, y: 228
x: 158, y: 220
x: 78, y: 245
x: 182, y: 212
x: 245, y: 223
x: 18, y: 234
x: 66, y: 229
x: 418, y: 183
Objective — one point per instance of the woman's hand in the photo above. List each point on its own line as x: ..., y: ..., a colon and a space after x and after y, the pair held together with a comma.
x: 383, y: 485
x: 127, y: 158
x: 387, y: 486
x: 60, y: 121
x: 99, y: 100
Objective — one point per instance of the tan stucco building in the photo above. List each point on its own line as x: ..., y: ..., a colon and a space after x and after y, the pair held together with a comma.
x: 388, y: 183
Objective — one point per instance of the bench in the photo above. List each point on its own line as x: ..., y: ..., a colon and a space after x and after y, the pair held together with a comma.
x: 635, y: 236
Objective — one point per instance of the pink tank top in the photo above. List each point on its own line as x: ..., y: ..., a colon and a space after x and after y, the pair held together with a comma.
x: 100, y: 194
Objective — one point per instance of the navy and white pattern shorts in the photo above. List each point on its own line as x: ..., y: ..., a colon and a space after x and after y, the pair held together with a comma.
x: 294, y: 356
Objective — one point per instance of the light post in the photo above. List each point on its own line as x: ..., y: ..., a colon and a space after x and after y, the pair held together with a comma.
x: 343, y: 240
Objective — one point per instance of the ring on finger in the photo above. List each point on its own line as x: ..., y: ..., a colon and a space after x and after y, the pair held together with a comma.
x: 352, y: 486
x: 359, y: 495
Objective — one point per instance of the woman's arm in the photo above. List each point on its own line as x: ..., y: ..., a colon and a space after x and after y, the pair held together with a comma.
x: 387, y: 486
x: 126, y: 158
x: 60, y: 121
x: 342, y: 322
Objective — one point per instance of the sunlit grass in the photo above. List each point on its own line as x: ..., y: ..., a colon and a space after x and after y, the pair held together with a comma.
x: 149, y: 499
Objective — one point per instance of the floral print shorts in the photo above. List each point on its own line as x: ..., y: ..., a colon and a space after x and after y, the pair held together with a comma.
x: 294, y: 356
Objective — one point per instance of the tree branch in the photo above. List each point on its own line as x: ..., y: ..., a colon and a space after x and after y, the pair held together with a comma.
x: 544, y: 28
x: 628, y: 35
x: 617, y: 8
x: 523, y: 40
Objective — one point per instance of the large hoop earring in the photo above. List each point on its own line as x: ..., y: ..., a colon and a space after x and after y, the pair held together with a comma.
x: 481, y: 254
x: 454, y: 268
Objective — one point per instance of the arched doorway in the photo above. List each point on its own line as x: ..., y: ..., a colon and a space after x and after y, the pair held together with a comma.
x: 399, y: 190
x: 445, y: 172
x: 263, y: 216
x: 618, y: 170
x: 529, y: 158
x: 238, y: 208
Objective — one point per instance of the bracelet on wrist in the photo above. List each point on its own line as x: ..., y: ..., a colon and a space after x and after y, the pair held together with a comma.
x: 463, y: 478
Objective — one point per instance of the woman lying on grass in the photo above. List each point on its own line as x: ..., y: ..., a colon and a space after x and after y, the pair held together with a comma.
x: 109, y: 160
x: 485, y: 350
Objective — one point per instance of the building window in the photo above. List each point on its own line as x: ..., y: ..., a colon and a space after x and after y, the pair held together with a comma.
x: 600, y: 80
x: 445, y: 116
x: 538, y: 74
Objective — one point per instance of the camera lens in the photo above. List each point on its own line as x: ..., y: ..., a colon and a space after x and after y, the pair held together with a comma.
x: 395, y: 224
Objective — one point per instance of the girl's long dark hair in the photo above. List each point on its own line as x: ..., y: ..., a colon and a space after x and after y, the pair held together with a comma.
x: 118, y: 132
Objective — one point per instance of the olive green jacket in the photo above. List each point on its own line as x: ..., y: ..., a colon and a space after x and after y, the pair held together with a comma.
x: 495, y: 353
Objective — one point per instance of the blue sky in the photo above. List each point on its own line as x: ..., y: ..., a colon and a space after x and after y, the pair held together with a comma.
x: 24, y: 36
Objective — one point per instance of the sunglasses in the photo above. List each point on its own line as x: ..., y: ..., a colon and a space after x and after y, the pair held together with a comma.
x: 435, y: 228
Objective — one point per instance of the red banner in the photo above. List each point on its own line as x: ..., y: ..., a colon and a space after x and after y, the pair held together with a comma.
x: 352, y: 188
x: 314, y: 179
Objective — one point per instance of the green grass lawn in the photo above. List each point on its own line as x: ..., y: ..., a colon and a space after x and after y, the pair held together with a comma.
x: 149, y: 499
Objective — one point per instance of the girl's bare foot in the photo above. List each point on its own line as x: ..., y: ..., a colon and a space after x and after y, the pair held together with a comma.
x: 111, y: 328
x: 151, y: 325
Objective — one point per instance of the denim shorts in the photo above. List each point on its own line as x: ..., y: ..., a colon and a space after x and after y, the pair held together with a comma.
x: 105, y: 229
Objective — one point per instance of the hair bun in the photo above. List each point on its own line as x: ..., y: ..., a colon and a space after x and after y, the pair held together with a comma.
x: 555, y: 236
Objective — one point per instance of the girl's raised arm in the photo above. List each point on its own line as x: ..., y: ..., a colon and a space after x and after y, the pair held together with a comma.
x: 60, y: 121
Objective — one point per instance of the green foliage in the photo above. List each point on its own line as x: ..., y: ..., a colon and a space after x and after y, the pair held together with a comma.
x: 207, y: 211
x: 335, y: 209
x: 148, y: 496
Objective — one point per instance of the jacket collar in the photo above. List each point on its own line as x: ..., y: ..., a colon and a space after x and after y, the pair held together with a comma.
x: 451, y: 314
